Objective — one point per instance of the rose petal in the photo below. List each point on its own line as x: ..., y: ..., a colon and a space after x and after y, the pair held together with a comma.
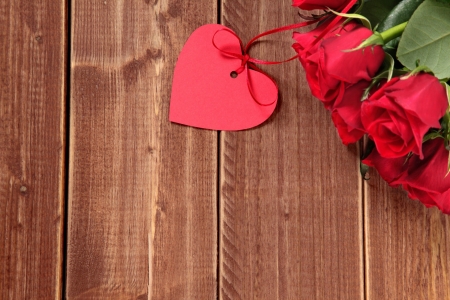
x: 351, y: 66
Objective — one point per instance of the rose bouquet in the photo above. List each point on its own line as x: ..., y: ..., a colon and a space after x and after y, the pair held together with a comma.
x: 382, y: 67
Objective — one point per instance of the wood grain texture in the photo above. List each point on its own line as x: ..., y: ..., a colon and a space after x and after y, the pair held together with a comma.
x: 32, y: 146
x: 291, y: 204
x: 142, y: 193
x: 406, y: 246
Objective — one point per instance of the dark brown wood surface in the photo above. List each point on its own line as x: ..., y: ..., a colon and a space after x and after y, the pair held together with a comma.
x: 291, y: 205
x: 162, y: 211
x: 406, y: 246
x: 142, y: 191
x: 32, y: 147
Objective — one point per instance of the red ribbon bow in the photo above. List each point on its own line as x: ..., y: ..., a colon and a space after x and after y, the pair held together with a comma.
x: 247, y: 62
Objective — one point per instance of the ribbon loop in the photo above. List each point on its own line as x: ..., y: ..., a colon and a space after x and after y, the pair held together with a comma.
x: 247, y: 62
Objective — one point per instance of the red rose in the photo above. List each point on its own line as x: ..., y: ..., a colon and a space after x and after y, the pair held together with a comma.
x: 329, y: 68
x: 424, y: 179
x: 401, y: 112
x: 319, y: 4
x: 305, y: 39
x: 346, y: 113
x: 389, y: 169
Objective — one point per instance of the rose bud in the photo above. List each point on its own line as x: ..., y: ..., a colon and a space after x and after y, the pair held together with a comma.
x: 319, y: 4
x: 329, y: 67
x: 401, y: 112
x: 346, y: 113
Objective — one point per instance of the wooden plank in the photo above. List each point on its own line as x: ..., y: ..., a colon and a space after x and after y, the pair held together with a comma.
x: 291, y: 204
x: 142, y: 193
x: 32, y: 147
x: 406, y: 246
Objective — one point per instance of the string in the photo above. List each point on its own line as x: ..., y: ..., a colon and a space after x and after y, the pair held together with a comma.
x: 244, y: 56
x: 248, y: 62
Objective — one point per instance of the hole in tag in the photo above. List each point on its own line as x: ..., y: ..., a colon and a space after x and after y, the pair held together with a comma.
x: 234, y: 74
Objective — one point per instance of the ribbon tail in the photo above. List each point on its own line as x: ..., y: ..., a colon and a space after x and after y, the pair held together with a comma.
x: 249, y: 84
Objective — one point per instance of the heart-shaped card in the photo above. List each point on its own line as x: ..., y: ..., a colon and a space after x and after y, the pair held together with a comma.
x: 205, y: 93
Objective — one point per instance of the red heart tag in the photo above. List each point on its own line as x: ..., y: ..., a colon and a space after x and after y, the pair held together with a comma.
x: 205, y: 95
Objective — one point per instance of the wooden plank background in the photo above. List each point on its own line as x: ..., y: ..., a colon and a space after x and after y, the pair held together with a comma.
x: 32, y: 147
x: 142, y: 191
x: 162, y: 211
x: 291, y: 207
x: 407, y: 246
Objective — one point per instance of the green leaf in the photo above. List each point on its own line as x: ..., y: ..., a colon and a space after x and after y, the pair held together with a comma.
x: 445, y: 124
x: 427, y: 39
x: 377, y: 10
x: 431, y: 136
x: 448, y: 165
x: 386, y: 73
x: 363, y: 169
x: 389, y: 62
x: 364, y: 20
x: 417, y: 70
x: 401, y: 13
x: 447, y: 88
